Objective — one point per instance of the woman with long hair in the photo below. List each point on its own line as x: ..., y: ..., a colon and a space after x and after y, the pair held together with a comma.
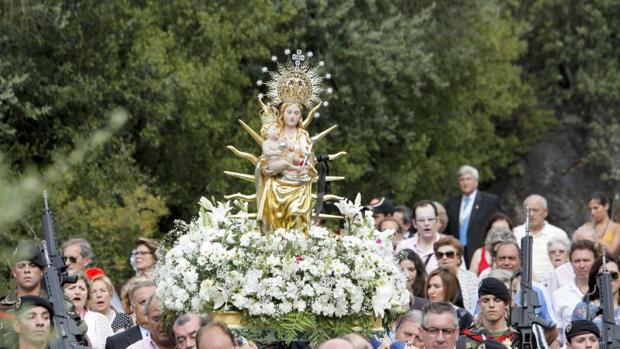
x: 607, y: 231
x: 442, y: 285
x: 415, y: 271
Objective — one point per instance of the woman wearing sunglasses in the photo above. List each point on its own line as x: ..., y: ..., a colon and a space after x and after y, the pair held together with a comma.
x: 591, y: 309
x: 443, y: 286
x: 449, y: 254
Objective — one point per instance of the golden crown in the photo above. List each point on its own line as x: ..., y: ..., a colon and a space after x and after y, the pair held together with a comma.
x: 295, y: 81
x: 268, y: 114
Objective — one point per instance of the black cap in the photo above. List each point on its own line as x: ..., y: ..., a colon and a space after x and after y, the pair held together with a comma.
x: 384, y: 205
x: 579, y: 327
x: 494, y: 287
x: 28, y: 302
x: 28, y: 251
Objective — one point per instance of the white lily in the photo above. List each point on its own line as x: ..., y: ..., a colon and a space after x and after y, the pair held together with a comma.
x: 350, y: 209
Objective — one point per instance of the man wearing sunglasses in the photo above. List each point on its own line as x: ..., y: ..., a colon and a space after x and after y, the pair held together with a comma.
x: 78, y: 254
x: 582, y: 256
x: 440, y: 326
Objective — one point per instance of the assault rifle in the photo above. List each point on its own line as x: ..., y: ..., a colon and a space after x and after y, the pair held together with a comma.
x: 523, y: 316
x: 67, y: 335
x: 610, y: 338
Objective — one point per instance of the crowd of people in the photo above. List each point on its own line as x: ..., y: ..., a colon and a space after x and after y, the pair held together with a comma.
x: 459, y: 260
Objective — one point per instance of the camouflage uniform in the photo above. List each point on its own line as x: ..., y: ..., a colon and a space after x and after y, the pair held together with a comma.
x: 478, y: 334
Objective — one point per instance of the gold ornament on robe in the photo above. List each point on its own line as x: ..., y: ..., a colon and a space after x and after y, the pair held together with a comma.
x: 285, y: 170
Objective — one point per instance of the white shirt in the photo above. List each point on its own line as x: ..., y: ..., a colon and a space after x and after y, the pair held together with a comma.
x: 465, y: 212
x: 565, y: 299
x: 561, y: 276
x: 144, y: 343
x: 144, y: 332
x: 469, y: 288
x: 99, y: 328
x: 540, y: 258
x: 427, y: 256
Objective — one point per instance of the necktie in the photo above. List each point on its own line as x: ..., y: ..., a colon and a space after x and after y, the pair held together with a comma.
x: 464, y: 223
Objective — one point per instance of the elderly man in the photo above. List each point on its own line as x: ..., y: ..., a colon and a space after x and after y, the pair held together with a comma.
x: 215, y: 335
x: 582, y: 256
x: 336, y: 343
x: 33, y: 322
x: 139, y: 295
x: 541, y: 232
x: 468, y: 213
x: 78, y: 254
x: 564, y: 274
x: 159, y: 337
x: 185, y: 329
x: 491, y: 323
x: 440, y: 326
x: 425, y: 221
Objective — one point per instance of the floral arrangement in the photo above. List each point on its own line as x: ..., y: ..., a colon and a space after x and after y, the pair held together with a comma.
x: 222, y: 262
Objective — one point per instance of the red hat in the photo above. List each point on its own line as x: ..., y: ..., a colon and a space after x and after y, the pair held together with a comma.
x: 93, y: 272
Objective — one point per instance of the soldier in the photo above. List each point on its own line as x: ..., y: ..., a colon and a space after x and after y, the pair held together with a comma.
x: 582, y: 334
x: 33, y: 322
x: 26, y: 267
x: 492, y: 322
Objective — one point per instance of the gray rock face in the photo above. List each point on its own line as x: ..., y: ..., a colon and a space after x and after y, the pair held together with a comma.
x: 555, y: 169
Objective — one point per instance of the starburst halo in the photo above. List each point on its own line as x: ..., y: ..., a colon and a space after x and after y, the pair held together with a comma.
x: 295, y: 80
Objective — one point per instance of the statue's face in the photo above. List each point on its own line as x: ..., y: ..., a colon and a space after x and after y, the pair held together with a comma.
x: 292, y: 115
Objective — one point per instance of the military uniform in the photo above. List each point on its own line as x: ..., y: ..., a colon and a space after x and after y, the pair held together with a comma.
x: 478, y: 334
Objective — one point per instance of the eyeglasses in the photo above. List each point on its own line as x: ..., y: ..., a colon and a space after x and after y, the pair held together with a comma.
x: 141, y: 253
x: 614, y: 275
x: 449, y: 254
x: 436, y: 331
x: 71, y: 259
x: 424, y: 220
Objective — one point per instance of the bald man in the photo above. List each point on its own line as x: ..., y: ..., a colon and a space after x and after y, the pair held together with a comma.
x: 541, y: 231
x: 336, y: 343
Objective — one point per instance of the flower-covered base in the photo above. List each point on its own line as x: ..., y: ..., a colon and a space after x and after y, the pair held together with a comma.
x: 288, y: 281
x: 296, y: 326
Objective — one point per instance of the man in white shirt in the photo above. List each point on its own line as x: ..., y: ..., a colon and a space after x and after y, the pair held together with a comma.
x: 564, y: 274
x: 582, y: 256
x: 541, y: 231
x: 160, y: 337
x: 425, y: 221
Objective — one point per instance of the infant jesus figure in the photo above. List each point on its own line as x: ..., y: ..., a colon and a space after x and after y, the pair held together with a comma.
x: 275, y: 150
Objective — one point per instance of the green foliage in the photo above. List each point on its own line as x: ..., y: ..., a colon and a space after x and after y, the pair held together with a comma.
x: 421, y: 88
x: 303, y: 326
x: 574, y: 64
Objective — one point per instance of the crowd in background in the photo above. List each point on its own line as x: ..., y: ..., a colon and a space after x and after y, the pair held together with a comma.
x: 459, y: 260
